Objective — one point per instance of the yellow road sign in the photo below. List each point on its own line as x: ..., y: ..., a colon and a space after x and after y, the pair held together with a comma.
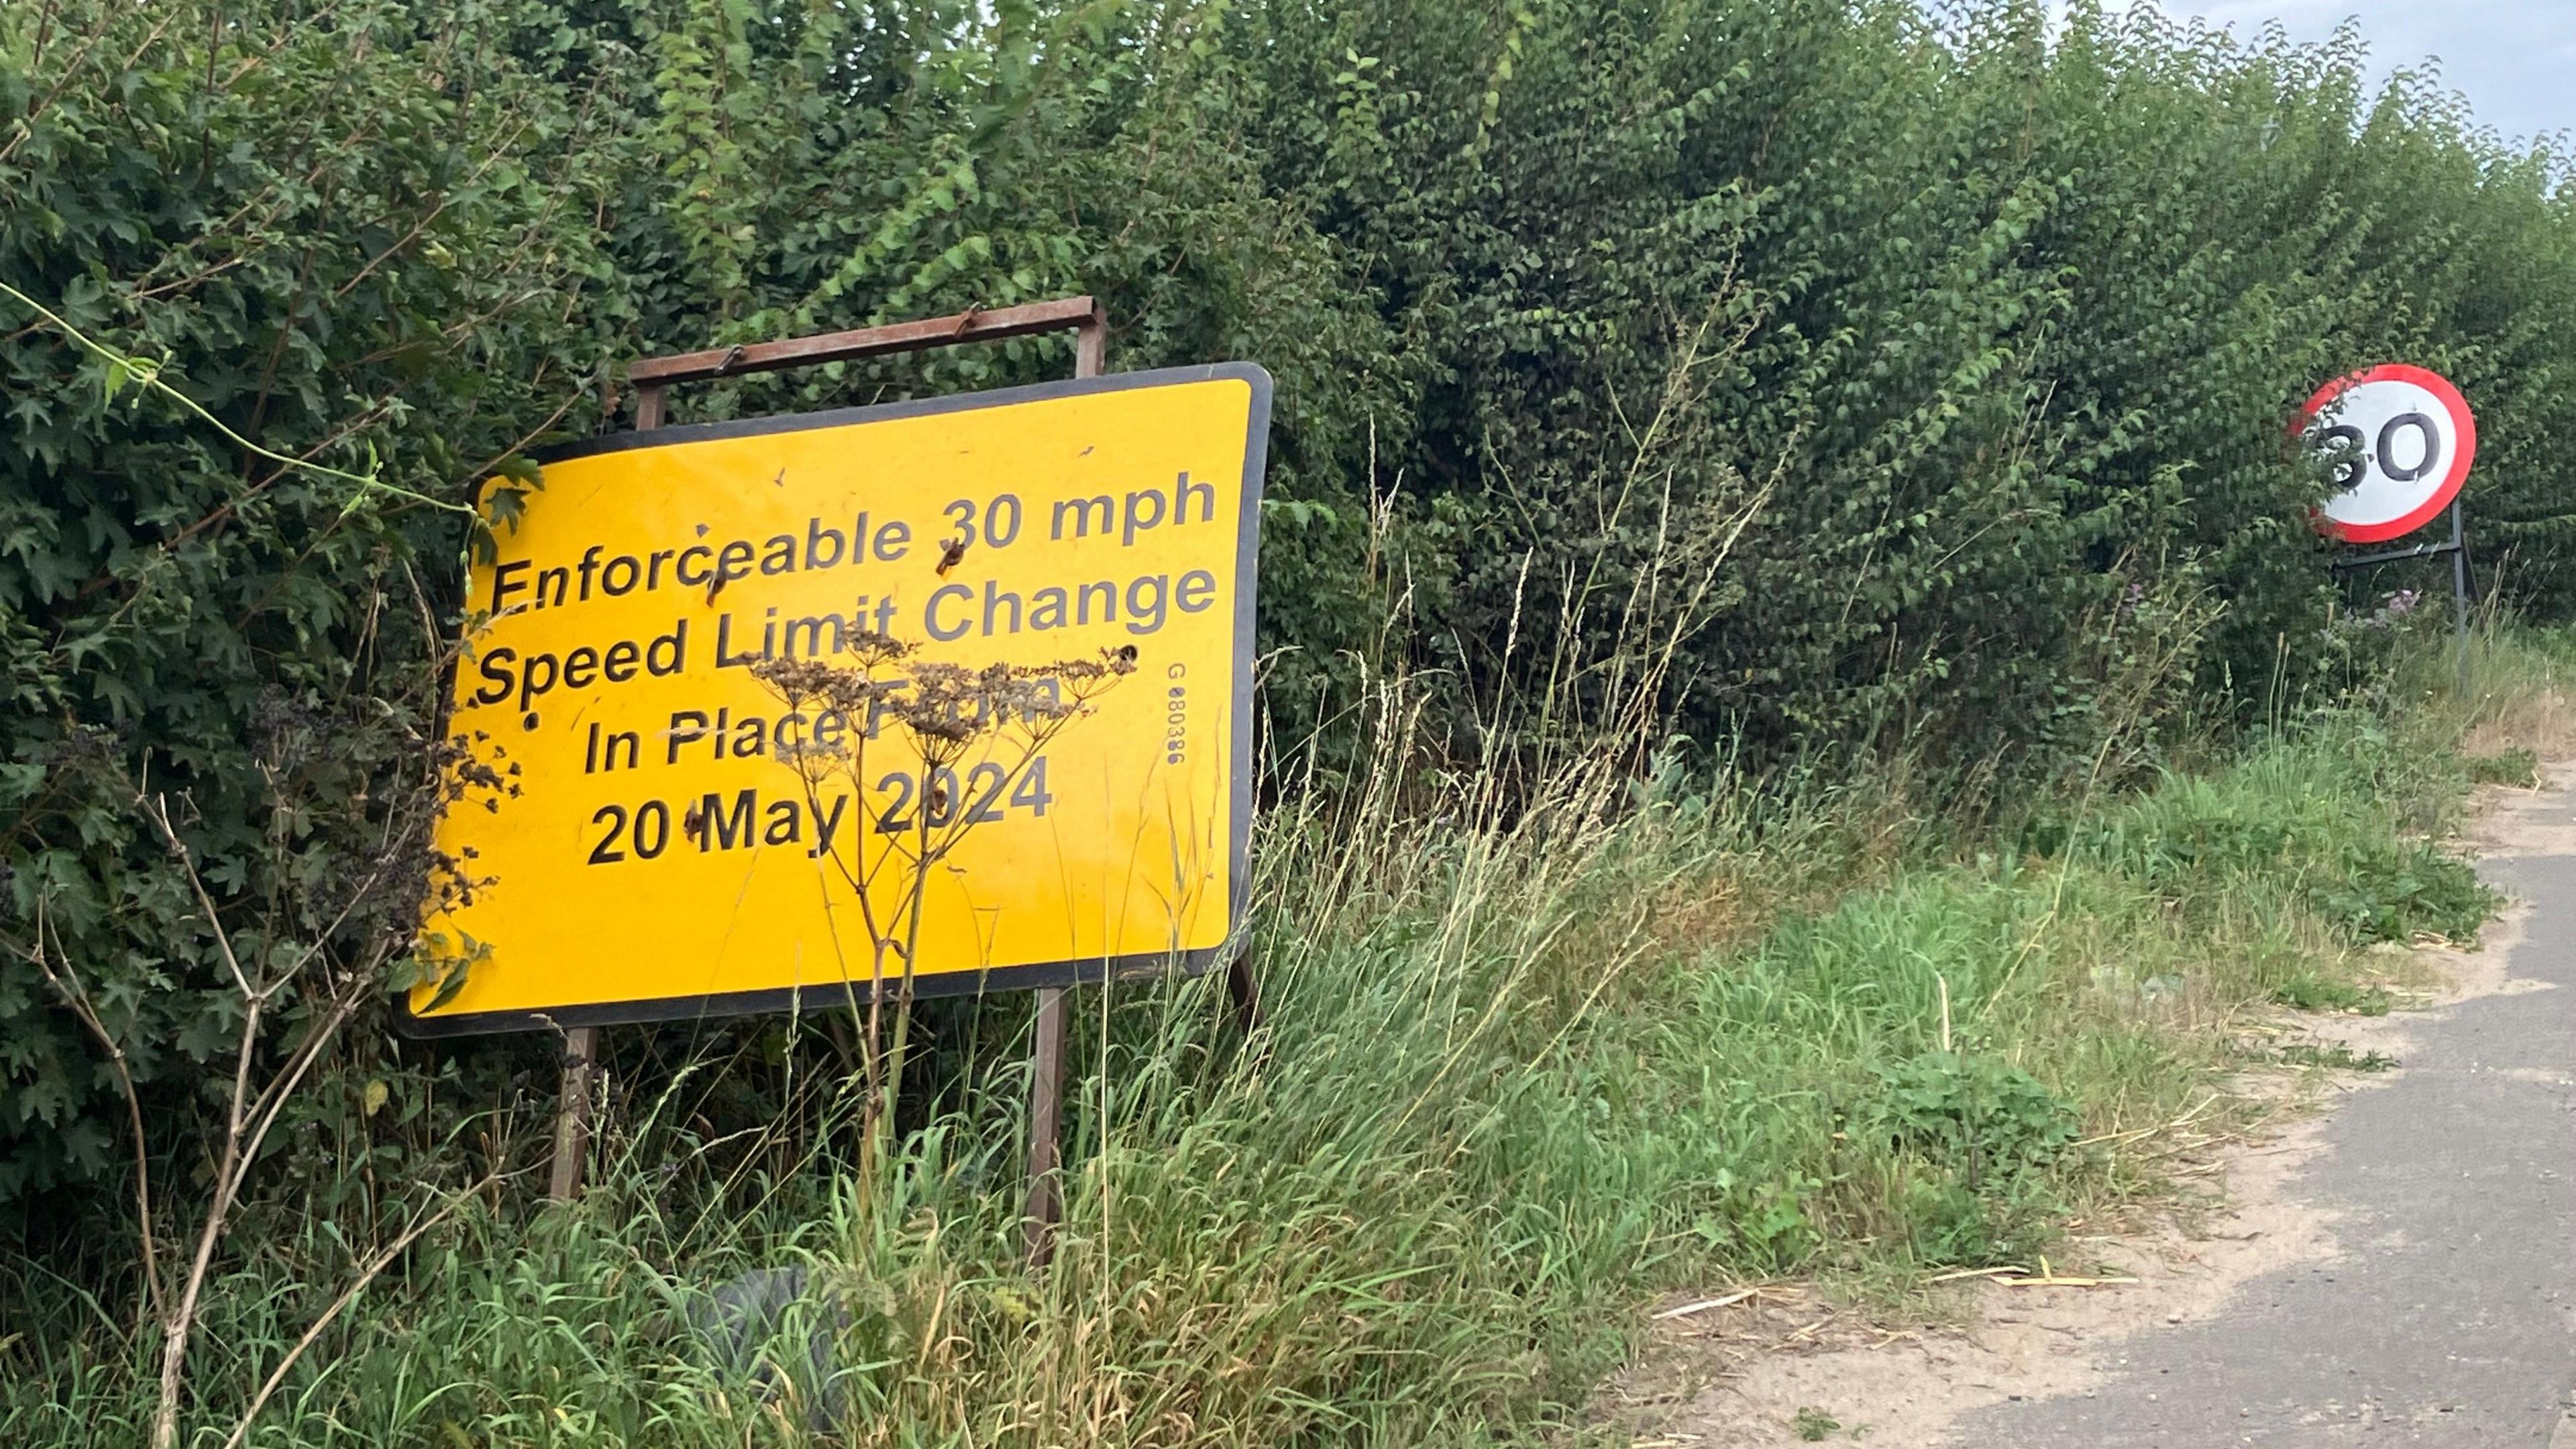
x: 654, y: 842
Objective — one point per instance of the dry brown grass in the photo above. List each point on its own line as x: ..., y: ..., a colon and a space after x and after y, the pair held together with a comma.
x: 2522, y: 696
x: 2542, y: 721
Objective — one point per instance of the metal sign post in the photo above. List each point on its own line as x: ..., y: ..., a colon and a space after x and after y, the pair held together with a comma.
x: 2458, y: 549
x: 652, y: 378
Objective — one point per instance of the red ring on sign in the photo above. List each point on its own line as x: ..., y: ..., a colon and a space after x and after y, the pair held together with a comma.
x: 2466, y: 453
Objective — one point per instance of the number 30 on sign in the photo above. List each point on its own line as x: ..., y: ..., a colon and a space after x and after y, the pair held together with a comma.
x: 2403, y: 438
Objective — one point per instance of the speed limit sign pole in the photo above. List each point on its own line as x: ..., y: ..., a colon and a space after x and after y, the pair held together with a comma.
x: 2401, y: 439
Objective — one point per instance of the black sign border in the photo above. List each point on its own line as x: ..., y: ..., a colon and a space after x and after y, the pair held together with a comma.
x: 826, y: 995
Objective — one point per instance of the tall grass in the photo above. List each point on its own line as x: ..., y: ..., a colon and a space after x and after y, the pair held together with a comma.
x: 1517, y: 1072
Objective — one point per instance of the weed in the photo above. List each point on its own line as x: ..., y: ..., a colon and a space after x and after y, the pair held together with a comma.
x: 1971, y: 1111
x: 2395, y: 891
x: 2335, y: 1057
x: 1814, y: 1425
x: 2310, y: 992
x: 2518, y: 767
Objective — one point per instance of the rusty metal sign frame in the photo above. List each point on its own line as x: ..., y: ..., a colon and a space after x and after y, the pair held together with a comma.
x: 654, y: 376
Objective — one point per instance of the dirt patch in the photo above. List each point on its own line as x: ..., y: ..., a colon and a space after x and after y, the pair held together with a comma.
x: 1739, y: 1370
x: 1738, y: 1377
x: 2527, y: 822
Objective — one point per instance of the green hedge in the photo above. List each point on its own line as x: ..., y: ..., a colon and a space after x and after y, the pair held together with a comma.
x: 1907, y: 382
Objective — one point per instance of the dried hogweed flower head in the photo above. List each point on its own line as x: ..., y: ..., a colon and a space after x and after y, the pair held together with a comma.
x: 938, y: 708
x: 945, y: 707
x: 1084, y: 679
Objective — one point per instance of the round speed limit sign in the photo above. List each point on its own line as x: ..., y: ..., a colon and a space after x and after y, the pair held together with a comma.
x: 2402, y: 439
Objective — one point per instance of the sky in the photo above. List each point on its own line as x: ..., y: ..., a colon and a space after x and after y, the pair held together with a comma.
x: 2514, y: 59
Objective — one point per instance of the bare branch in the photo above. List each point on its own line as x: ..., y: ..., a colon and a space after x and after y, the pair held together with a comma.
x: 76, y: 996
x: 156, y: 808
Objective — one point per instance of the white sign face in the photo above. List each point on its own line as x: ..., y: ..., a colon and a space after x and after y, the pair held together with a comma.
x: 2404, y: 440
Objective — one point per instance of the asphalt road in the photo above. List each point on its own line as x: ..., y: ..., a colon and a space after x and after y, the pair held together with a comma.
x: 2449, y: 1316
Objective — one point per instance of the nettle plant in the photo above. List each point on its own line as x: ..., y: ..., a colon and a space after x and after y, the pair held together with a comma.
x: 954, y: 740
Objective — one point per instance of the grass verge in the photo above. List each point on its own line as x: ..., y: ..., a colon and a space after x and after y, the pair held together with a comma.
x: 1513, y: 1081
